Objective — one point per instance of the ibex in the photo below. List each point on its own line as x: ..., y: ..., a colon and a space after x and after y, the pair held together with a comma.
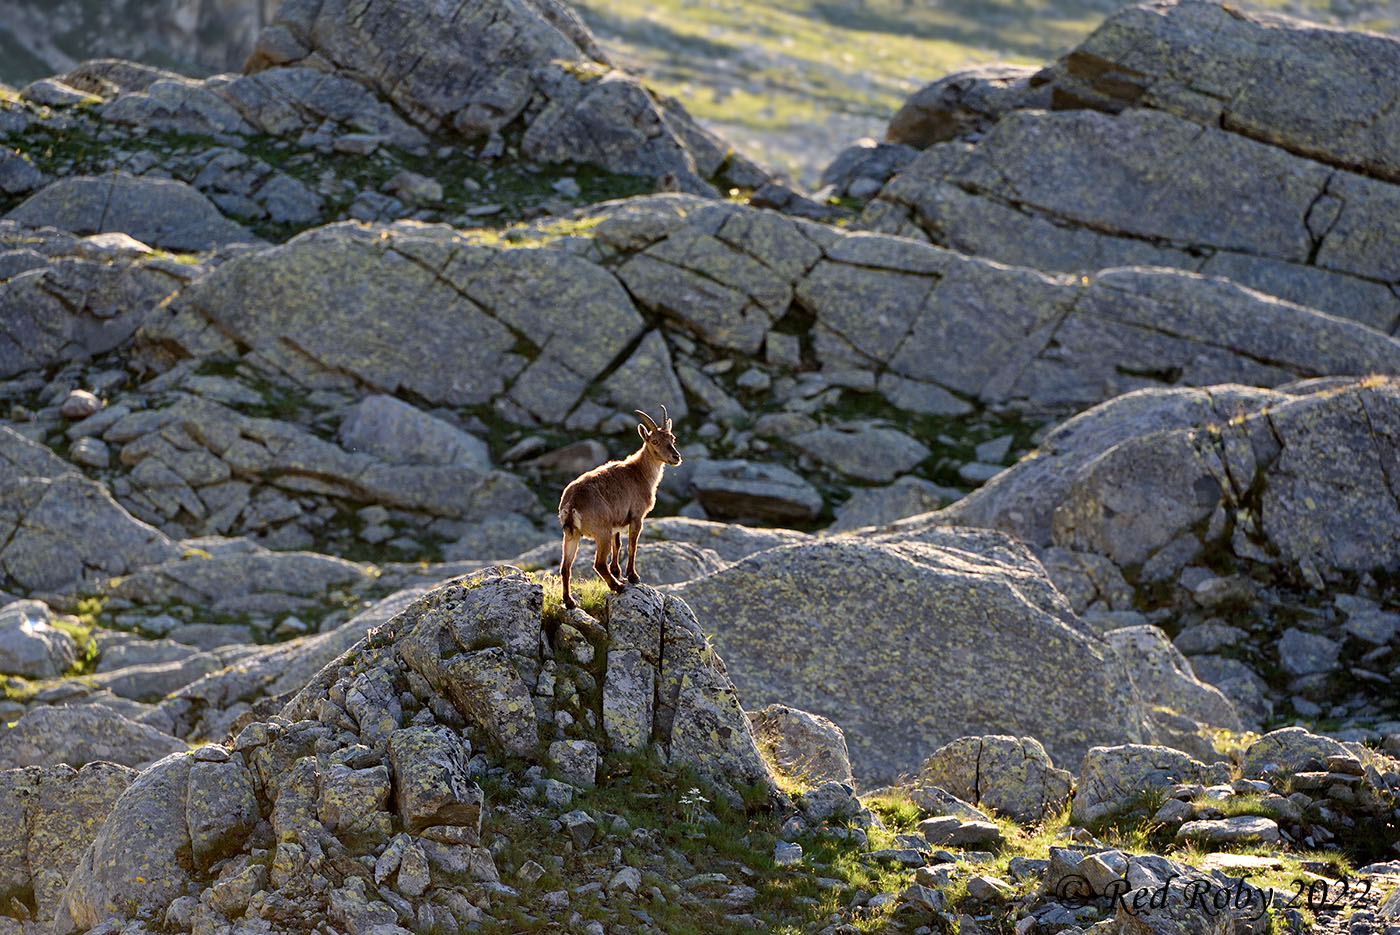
x: 601, y: 502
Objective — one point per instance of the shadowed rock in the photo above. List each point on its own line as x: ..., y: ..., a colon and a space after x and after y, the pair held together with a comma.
x: 160, y: 212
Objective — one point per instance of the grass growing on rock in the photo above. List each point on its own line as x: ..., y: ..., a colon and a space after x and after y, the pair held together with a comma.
x: 680, y: 832
x: 591, y: 593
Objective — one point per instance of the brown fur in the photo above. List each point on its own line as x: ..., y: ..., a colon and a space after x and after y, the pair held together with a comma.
x: 602, y: 502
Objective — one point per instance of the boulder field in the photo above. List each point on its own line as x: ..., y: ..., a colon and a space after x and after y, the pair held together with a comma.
x: 1038, y: 526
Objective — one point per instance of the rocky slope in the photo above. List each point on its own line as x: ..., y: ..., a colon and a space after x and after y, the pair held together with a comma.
x: 278, y: 408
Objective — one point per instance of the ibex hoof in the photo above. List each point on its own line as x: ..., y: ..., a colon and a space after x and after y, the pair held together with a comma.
x: 634, y: 577
x: 569, y: 602
x: 618, y: 588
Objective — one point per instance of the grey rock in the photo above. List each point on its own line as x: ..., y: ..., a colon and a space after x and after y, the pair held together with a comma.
x: 837, y: 599
x: 1113, y: 779
x: 221, y: 807
x: 576, y: 761
x: 1013, y: 776
x: 588, y: 111
x: 60, y: 531
x: 488, y: 690
x: 160, y: 212
x: 1121, y: 492
x: 30, y: 645
x: 1289, y: 749
x: 70, y: 306
x: 936, y: 801
x: 877, y: 506
x: 90, y: 452
x: 18, y: 176
x: 399, y: 433
x: 53, y: 813
x: 952, y: 831
x: 1229, y: 53
x: 863, y: 451
x: 735, y: 488
x: 802, y: 744
x: 1302, y: 653
x: 964, y: 102
x: 431, y: 782
x: 1164, y: 678
x: 136, y: 854
x: 862, y: 168
x: 1240, y: 829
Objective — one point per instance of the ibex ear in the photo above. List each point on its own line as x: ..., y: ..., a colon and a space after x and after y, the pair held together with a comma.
x: 668, y: 425
x: 642, y: 431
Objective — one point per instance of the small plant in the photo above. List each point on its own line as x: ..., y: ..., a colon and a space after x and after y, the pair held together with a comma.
x: 692, y: 805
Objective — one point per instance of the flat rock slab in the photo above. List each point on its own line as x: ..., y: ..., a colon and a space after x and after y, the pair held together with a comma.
x: 1237, y: 830
x: 159, y: 212
x: 76, y: 735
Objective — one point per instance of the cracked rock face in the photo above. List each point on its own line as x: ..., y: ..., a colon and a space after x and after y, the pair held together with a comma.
x: 373, y: 759
x: 854, y: 617
x: 474, y: 69
x: 1161, y: 129
x: 1009, y: 775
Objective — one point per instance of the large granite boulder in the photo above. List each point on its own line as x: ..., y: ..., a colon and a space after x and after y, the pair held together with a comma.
x: 911, y: 641
x: 1128, y: 478
x: 159, y: 212
x: 80, y: 734
x: 1011, y: 776
x: 1168, y: 119
x: 62, y: 532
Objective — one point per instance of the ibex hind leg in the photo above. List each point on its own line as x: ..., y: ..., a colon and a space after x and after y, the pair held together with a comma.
x: 614, y: 564
x: 600, y: 564
x: 634, y: 532
x: 571, y: 541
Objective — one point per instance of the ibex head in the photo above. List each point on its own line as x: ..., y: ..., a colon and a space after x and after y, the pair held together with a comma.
x: 658, y: 440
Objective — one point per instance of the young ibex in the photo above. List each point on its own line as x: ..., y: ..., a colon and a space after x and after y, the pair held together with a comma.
x: 618, y: 494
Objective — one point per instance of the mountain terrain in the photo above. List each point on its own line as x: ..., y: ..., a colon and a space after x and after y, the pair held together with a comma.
x: 1033, y: 565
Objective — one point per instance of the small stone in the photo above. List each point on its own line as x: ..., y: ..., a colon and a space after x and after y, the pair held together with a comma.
x: 568, y: 187
x: 786, y: 853
x: 581, y: 828
x: 79, y: 405
x: 90, y: 452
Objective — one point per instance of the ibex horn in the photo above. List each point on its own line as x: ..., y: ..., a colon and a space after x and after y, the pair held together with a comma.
x: 647, y: 419
x: 665, y: 419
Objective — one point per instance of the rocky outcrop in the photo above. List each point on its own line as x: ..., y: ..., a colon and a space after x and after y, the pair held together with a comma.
x: 726, y: 274
x: 1083, y: 187
x: 52, y: 814
x: 1105, y: 487
x: 477, y: 73
x: 471, y: 655
x: 64, y: 298
x: 956, y: 602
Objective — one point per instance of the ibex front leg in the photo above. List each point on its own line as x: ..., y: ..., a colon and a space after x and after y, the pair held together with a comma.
x: 634, y: 532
